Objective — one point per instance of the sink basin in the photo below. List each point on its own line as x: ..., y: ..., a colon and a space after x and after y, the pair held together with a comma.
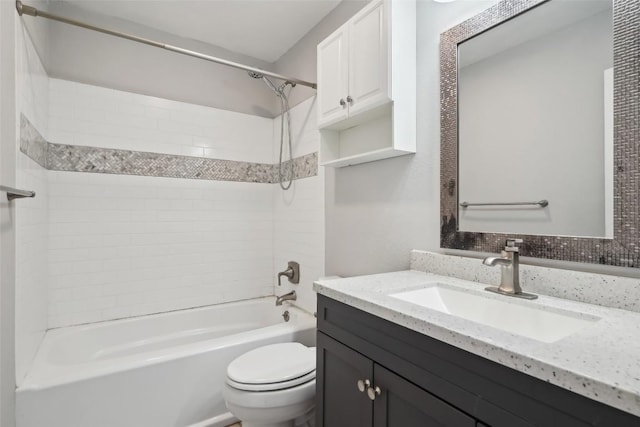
x: 529, y: 320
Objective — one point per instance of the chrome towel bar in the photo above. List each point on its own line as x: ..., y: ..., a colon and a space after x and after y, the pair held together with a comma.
x: 14, y: 193
x: 542, y: 203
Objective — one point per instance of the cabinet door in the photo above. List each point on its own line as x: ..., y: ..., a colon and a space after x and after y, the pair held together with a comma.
x: 333, y: 77
x: 339, y: 403
x: 368, y: 59
x: 403, y: 404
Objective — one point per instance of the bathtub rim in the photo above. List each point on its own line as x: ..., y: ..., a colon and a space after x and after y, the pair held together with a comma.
x: 61, y: 377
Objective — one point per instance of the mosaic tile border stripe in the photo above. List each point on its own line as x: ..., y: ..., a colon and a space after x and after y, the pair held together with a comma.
x: 624, y: 249
x: 77, y: 158
x: 32, y: 143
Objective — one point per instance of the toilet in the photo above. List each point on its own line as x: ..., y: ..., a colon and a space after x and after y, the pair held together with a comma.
x: 273, y: 386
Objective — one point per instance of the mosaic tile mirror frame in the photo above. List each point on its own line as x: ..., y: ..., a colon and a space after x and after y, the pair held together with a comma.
x: 621, y: 250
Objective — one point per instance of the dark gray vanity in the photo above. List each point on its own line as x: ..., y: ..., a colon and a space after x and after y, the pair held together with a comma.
x: 413, y: 380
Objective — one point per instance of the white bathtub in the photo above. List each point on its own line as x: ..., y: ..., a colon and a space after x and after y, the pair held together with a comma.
x: 164, y: 370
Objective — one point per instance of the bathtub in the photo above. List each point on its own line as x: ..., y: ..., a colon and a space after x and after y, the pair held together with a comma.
x: 162, y: 370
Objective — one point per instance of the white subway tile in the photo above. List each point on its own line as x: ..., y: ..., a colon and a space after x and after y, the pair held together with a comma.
x: 125, y: 245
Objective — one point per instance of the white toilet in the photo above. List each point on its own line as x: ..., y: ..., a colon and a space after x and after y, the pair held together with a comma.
x: 273, y: 386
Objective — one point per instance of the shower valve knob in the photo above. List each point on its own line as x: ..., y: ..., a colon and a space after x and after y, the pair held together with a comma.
x: 292, y: 273
x: 342, y: 102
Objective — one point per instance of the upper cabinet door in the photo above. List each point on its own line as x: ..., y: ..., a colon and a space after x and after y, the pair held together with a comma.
x: 368, y: 58
x: 333, y: 80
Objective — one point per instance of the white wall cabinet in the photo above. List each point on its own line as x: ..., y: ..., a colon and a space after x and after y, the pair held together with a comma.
x: 367, y: 85
x: 333, y: 63
x: 352, y: 67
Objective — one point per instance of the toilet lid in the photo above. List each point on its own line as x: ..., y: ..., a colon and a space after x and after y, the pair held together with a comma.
x: 275, y: 363
x: 311, y: 376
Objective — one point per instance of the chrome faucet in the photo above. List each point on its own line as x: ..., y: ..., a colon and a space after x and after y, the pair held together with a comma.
x: 291, y: 296
x: 509, y: 262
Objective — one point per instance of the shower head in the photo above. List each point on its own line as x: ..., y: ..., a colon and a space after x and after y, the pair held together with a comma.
x: 255, y: 75
x: 268, y: 82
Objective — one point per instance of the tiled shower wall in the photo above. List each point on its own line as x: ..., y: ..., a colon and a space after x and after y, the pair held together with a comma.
x: 93, y: 116
x: 31, y: 214
x: 127, y: 245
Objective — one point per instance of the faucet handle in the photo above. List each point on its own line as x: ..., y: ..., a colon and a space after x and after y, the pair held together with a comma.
x: 510, y: 245
x: 292, y: 273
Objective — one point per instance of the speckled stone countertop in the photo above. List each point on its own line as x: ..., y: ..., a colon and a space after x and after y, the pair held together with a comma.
x: 601, y: 362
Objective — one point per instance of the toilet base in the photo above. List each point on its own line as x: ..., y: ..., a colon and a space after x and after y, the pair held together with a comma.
x: 283, y: 424
x: 271, y: 417
x: 293, y: 407
x: 307, y: 420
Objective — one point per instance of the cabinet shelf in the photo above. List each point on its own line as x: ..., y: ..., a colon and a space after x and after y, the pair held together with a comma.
x: 370, y: 156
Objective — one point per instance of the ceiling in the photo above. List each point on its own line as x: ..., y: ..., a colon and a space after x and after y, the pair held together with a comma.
x: 263, y: 29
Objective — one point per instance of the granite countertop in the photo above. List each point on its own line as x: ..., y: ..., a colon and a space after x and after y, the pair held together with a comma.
x: 601, y: 362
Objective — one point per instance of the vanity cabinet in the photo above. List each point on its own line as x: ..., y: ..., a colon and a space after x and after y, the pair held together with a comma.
x: 367, y: 84
x: 415, y: 380
x: 360, y: 393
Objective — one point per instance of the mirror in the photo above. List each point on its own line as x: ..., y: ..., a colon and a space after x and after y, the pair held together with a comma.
x: 530, y: 147
x: 531, y: 122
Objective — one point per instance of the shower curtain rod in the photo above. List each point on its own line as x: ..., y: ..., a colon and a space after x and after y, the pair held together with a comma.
x: 32, y: 11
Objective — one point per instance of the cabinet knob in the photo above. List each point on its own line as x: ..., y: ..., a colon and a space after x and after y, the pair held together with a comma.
x: 373, y: 392
x: 363, y: 385
x: 349, y: 99
x: 342, y: 103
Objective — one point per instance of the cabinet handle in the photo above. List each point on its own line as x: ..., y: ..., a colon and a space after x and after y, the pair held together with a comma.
x: 373, y: 392
x: 363, y: 385
x: 342, y: 103
x: 349, y: 99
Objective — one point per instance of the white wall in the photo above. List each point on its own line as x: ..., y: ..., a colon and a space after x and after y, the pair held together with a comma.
x: 298, y: 213
x: 39, y: 31
x: 31, y: 214
x: 548, y: 144
x: 82, y: 114
x: 125, y: 245
x: 89, y: 57
x: 7, y: 213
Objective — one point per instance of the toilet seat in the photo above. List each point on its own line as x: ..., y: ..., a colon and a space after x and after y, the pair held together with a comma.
x: 273, y: 386
x: 273, y: 367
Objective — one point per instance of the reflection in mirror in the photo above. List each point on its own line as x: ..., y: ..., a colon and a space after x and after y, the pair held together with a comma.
x: 535, y: 121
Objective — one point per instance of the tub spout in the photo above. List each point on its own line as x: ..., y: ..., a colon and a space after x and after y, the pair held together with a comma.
x: 291, y: 296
